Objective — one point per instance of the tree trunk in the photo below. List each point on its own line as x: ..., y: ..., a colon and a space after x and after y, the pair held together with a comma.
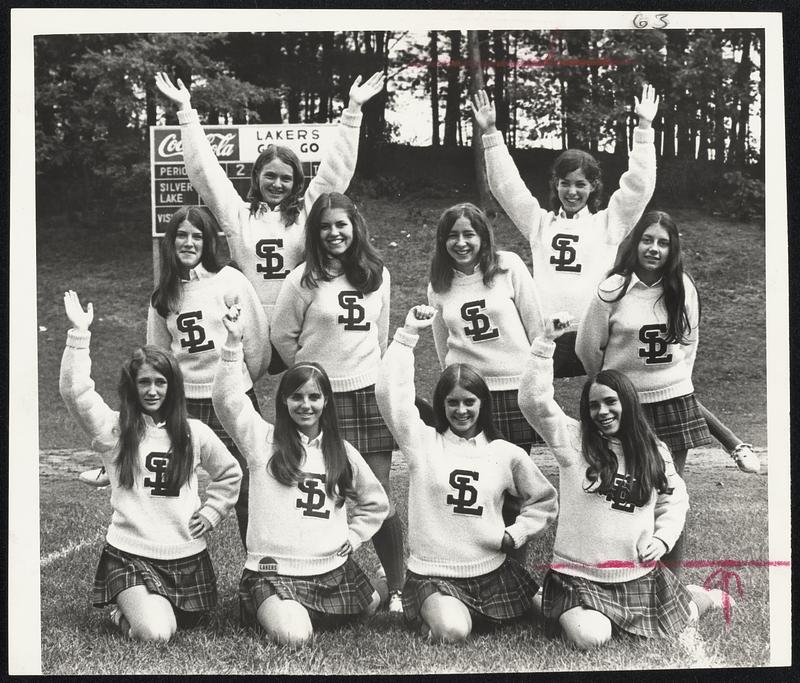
x: 742, y: 115
x: 500, y: 78
x: 761, y: 73
x: 477, y: 83
x: 452, y: 114
x: 433, y: 82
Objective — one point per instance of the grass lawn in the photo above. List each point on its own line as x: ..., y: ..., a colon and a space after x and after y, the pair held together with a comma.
x: 728, y: 519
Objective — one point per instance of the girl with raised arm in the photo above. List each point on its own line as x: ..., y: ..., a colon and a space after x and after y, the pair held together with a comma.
x: 299, y: 542
x: 623, y: 506
x: 154, y: 567
x: 459, y: 571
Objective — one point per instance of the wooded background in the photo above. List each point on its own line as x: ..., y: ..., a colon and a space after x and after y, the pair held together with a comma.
x: 96, y: 98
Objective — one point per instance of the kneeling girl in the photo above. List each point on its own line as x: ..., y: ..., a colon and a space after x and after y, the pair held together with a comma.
x: 299, y: 540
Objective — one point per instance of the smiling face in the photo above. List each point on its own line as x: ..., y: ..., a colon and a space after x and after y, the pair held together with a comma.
x: 151, y: 387
x: 463, y: 245
x: 462, y: 408
x: 605, y: 408
x: 275, y: 181
x: 573, y: 191
x: 335, y: 231
x: 305, y: 406
x: 652, y: 253
x: 188, y: 245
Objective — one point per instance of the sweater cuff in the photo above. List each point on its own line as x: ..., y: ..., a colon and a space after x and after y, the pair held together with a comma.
x: 543, y: 347
x: 350, y: 119
x: 406, y: 339
x: 78, y: 339
x: 188, y: 116
x: 516, y: 535
x: 211, y: 515
x: 666, y: 545
x: 492, y: 140
x: 643, y: 136
x: 232, y: 353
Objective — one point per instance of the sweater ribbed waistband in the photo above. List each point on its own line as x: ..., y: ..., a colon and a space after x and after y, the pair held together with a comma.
x: 461, y: 570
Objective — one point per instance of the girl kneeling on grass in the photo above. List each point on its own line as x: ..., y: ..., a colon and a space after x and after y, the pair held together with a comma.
x: 299, y: 540
x: 459, y: 473
x: 623, y: 505
x: 155, y: 565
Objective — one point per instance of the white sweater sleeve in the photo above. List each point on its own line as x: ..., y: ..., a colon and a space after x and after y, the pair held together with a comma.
x: 158, y: 333
x: 526, y: 298
x: 508, y: 187
x: 636, y: 187
x: 671, y: 508
x: 439, y: 328
x: 371, y: 503
x: 226, y: 474
x: 592, y: 339
x: 383, y: 320
x: 207, y: 176
x: 539, y: 500
x: 538, y: 405
x: 255, y: 340
x: 288, y: 318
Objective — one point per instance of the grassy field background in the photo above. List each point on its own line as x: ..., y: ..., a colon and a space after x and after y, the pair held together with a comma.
x: 110, y: 266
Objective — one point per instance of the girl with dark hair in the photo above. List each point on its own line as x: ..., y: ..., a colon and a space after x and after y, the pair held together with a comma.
x: 623, y: 506
x: 154, y: 567
x: 334, y: 309
x: 644, y: 321
x: 185, y: 316
x: 460, y: 471
x: 265, y: 234
x: 299, y: 542
x: 575, y: 243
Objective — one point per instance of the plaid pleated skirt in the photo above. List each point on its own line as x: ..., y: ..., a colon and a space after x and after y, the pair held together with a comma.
x: 509, y: 420
x: 501, y: 595
x: 360, y: 421
x: 678, y: 422
x: 189, y: 583
x: 343, y: 592
x: 653, y: 606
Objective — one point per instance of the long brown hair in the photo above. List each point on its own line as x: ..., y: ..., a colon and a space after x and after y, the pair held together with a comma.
x: 291, y: 205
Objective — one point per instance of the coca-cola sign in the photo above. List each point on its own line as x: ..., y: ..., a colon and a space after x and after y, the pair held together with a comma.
x: 224, y: 142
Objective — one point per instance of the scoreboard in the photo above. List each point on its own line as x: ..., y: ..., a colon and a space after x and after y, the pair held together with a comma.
x: 236, y: 148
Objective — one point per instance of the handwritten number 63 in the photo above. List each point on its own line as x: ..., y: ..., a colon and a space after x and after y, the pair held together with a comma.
x: 645, y: 21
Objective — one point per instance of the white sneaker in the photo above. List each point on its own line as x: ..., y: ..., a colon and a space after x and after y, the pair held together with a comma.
x: 396, y: 602
x: 97, y: 478
x: 745, y: 459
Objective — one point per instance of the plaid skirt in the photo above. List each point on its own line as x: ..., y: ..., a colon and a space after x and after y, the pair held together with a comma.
x: 501, y: 595
x: 344, y: 592
x: 189, y: 583
x: 653, y: 606
x: 361, y: 423
x: 678, y: 422
x: 508, y: 418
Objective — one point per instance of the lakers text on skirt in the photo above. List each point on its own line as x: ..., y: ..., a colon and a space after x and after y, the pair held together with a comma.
x: 345, y: 591
x: 501, y: 595
x: 678, y: 422
x: 360, y: 421
x: 653, y: 606
x: 189, y: 583
x: 509, y: 420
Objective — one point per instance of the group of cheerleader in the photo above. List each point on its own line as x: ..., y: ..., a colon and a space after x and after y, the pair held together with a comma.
x: 309, y: 298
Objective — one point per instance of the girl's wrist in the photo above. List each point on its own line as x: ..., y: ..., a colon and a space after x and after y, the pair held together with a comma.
x: 490, y: 130
x: 353, y: 107
x: 645, y: 124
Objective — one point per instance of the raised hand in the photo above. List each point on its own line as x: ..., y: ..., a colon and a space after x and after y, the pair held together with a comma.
x: 233, y: 324
x: 555, y: 326
x: 363, y: 92
x: 419, y: 317
x: 80, y: 319
x: 484, y: 112
x: 179, y: 95
x: 647, y: 107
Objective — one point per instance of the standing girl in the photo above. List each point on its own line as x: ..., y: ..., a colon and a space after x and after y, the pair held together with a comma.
x: 154, y: 567
x: 334, y: 309
x: 185, y: 317
x: 644, y: 322
x: 299, y: 542
x: 623, y: 505
x: 266, y: 236
x: 574, y: 244
x: 459, y: 473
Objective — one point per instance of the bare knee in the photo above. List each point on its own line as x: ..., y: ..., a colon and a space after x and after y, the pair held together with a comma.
x: 585, y: 628
x: 291, y: 635
x: 451, y: 631
x: 285, y: 621
x: 447, y: 618
x: 154, y: 631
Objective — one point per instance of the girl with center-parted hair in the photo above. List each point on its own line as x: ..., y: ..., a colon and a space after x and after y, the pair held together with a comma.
x: 299, y: 568
x: 459, y: 571
x: 154, y: 567
x: 334, y: 309
x: 622, y: 507
x: 185, y: 316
